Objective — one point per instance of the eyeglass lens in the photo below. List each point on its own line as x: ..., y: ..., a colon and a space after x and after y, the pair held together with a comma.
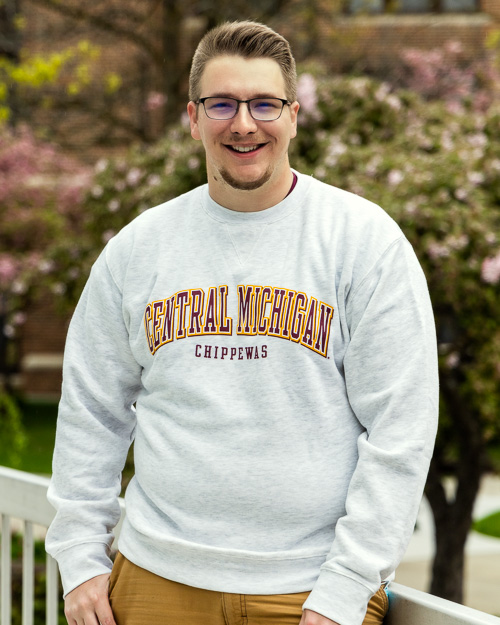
x: 262, y: 109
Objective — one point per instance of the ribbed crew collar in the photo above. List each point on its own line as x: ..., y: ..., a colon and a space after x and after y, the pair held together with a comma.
x: 268, y: 215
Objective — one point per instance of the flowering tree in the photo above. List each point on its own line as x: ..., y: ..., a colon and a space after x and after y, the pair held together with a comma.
x: 437, y: 172
x: 40, y: 198
x: 450, y: 75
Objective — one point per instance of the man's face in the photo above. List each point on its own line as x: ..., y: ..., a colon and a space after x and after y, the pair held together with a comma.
x: 264, y: 163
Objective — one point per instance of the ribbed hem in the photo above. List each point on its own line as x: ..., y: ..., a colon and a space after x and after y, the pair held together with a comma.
x: 221, y: 570
x: 339, y: 598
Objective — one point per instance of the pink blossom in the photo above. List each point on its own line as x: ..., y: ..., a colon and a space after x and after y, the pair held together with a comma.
x: 101, y: 165
x: 59, y: 288
x: 454, y: 47
x: 107, y: 235
x: 395, y: 177
x: 455, y: 108
x: 18, y: 318
x: 394, y: 102
x: 458, y: 242
x: 382, y: 92
x: 307, y: 94
x: 154, y: 180
x: 19, y: 287
x: 453, y: 360
x: 46, y: 266
x: 155, y: 100
x: 475, y: 177
x: 478, y: 140
x: 8, y: 269
x: 437, y: 250
x: 133, y: 176
x: 490, y: 269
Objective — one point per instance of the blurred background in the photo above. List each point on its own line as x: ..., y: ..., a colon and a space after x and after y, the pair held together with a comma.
x: 399, y: 103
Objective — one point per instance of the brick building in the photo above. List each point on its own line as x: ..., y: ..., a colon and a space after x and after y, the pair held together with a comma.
x: 373, y: 36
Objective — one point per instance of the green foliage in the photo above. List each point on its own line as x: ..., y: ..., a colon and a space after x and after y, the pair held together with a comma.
x: 72, y: 70
x: 17, y: 549
x: 12, y: 436
x: 489, y: 525
x: 39, y: 428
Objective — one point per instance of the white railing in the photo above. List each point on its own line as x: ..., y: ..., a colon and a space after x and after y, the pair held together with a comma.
x: 414, y: 607
x: 24, y: 496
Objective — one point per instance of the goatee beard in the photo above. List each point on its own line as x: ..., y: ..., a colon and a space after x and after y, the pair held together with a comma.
x: 245, y: 186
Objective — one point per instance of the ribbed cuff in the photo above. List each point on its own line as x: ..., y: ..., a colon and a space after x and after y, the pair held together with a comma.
x: 339, y: 598
x: 83, y: 562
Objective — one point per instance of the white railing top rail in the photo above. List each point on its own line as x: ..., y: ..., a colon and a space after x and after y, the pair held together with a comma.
x: 414, y: 607
x: 24, y: 496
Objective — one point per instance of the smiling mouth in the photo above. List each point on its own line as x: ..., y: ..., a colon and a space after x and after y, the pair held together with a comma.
x: 242, y: 149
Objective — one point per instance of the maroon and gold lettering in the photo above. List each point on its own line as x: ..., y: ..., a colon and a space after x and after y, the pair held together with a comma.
x: 264, y: 310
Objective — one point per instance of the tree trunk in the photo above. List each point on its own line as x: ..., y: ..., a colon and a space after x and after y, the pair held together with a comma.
x: 174, y: 70
x: 452, y: 521
x: 453, y: 513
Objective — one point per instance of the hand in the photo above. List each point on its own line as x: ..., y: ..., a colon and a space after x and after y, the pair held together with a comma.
x: 313, y: 618
x: 88, y: 604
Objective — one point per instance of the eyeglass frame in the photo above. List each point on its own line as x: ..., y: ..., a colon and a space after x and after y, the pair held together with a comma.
x: 238, y: 102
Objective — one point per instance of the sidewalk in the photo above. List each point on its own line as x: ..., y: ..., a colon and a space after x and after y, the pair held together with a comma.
x: 482, y: 575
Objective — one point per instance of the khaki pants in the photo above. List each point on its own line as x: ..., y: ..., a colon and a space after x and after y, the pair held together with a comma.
x: 139, y: 597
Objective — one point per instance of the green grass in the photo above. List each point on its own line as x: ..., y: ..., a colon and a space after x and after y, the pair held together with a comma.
x: 39, y: 422
x: 489, y: 525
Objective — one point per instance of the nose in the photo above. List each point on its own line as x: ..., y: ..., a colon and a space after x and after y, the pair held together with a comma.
x: 243, y: 123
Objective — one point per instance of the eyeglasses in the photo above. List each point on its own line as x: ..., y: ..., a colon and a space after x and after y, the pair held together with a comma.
x: 261, y: 109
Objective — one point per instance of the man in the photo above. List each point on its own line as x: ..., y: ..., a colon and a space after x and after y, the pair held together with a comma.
x: 268, y: 342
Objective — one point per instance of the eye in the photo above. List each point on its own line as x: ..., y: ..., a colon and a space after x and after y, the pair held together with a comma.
x: 266, y: 105
x: 215, y: 104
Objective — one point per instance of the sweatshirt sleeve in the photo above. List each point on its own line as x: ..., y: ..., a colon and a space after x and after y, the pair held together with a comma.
x: 96, y: 424
x: 392, y: 384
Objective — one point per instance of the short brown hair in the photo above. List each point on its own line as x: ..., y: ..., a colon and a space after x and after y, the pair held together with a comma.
x: 249, y: 40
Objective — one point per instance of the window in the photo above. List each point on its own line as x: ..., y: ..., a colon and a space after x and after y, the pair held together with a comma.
x: 411, y: 6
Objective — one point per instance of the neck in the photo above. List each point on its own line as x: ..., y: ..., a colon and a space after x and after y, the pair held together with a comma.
x: 269, y: 194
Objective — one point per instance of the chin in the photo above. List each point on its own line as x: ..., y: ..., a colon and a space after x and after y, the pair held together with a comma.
x: 245, y: 185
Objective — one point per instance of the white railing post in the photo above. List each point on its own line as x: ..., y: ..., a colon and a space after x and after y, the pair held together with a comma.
x: 5, y: 570
x: 28, y: 574
x: 52, y: 592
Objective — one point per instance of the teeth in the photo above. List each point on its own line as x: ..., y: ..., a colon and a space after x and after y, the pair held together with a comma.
x: 240, y: 148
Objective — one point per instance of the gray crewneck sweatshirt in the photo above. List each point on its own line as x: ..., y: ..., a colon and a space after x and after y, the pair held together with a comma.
x: 277, y: 370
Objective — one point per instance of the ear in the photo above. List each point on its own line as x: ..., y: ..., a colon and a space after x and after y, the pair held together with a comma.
x: 294, y: 111
x: 193, y: 120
